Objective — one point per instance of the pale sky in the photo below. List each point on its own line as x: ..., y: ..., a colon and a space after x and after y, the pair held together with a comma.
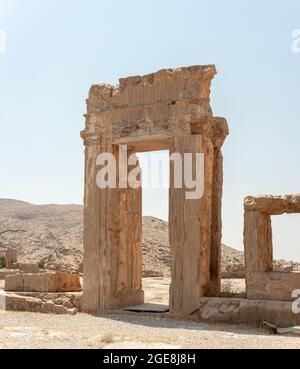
x: 56, y: 49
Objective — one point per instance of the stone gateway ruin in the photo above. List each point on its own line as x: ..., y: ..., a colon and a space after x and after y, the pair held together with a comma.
x: 263, y: 283
x: 170, y: 110
x: 167, y: 110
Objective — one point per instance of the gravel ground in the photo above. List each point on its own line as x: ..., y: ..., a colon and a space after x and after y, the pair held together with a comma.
x: 31, y: 330
x: 28, y: 330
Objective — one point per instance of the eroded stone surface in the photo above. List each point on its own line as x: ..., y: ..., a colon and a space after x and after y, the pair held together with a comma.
x: 47, y: 304
x: 261, y: 279
x: 43, y: 282
x: 273, y: 205
x: 228, y: 310
x: 170, y: 110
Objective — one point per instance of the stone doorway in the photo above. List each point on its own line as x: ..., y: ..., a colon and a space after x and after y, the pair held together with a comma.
x: 156, y: 252
x: 167, y: 110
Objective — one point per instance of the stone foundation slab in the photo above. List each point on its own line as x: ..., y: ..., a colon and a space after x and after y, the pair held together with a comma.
x: 43, y: 282
x: 242, y: 311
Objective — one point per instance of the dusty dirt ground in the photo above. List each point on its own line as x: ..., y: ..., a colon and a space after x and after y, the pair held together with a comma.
x: 157, y: 289
x: 28, y: 330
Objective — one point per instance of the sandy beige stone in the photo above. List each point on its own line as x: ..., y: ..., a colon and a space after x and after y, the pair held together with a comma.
x: 228, y: 310
x: 166, y: 110
x: 261, y: 280
x: 190, y: 233
x: 43, y: 282
x: 273, y: 205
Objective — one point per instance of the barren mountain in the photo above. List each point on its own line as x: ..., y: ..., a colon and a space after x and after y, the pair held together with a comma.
x: 157, y: 254
x: 55, y: 232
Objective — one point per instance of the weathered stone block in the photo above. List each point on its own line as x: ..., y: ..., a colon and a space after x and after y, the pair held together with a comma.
x: 43, y: 282
x: 20, y: 303
x: 273, y: 205
x: 272, y: 285
x: 239, y: 311
x: 15, y: 302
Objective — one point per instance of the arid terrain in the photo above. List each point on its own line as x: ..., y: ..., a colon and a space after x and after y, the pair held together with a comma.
x: 28, y: 330
x: 55, y: 233
x: 131, y: 330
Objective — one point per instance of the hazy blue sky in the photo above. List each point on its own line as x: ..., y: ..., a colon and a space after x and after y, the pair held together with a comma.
x: 57, y: 49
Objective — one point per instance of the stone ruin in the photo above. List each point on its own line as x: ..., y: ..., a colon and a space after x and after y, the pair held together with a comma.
x: 270, y: 295
x: 167, y: 110
x: 12, y: 264
x: 11, y: 258
x: 170, y: 110
x: 29, y: 288
x: 44, y: 292
x: 263, y: 283
x: 52, y: 282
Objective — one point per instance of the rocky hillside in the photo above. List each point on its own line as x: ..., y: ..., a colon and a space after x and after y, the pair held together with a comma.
x: 54, y: 232
x: 157, y: 255
x: 42, y: 231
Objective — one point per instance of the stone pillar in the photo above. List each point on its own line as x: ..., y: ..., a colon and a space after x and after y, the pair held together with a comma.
x: 11, y: 258
x: 125, y: 237
x: 190, y: 232
x: 112, y: 241
x: 258, y: 242
x: 258, y: 249
x: 93, y: 286
x: 216, y: 226
x: 217, y: 130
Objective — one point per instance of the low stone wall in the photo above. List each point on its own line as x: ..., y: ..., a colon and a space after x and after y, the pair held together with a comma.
x: 43, y: 282
x: 44, y: 303
x: 239, y: 311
